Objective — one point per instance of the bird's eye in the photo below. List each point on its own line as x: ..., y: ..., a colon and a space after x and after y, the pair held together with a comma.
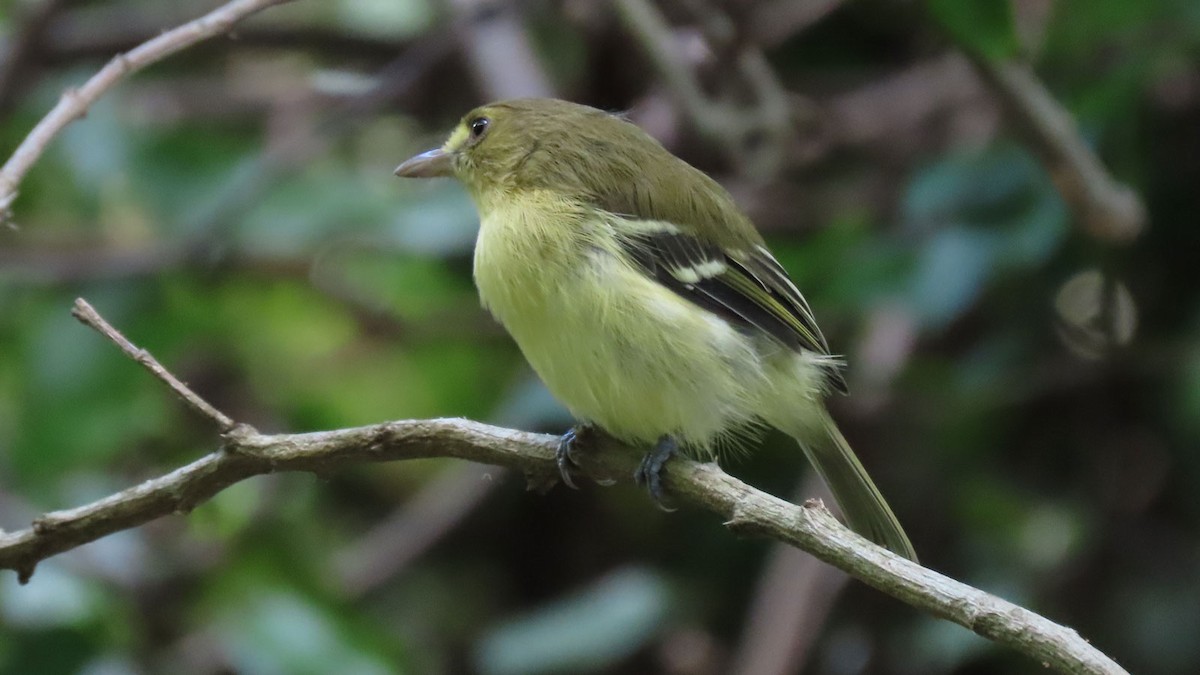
x: 478, y: 127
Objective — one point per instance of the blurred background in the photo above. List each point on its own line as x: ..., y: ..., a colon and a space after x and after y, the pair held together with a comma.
x: 1025, y: 370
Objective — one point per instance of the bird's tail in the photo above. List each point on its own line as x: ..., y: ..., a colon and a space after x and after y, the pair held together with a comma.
x: 863, y: 506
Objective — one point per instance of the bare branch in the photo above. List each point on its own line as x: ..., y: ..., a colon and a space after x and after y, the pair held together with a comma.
x: 650, y: 27
x: 29, y: 39
x: 247, y: 453
x: 744, y: 510
x: 92, y: 319
x: 1105, y: 208
x: 74, y: 103
x: 753, y: 135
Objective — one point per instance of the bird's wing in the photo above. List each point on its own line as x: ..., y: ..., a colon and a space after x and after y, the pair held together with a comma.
x: 745, y: 286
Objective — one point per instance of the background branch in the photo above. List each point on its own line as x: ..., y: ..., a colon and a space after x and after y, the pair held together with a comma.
x: 19, y: 52
x: 753, y: 133
x: 74, y: 103
x: 744, y: 509
x: 1106, y: 208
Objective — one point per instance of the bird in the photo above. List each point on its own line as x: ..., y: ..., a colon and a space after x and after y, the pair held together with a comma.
x: 644, y: 298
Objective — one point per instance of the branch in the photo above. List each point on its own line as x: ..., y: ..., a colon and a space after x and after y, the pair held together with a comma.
x: 29, y: 39
x: 1107, y: 209
x: 74, y: 103
x: 91, y: 318
x: 102, y: 31
x: 744, y: 509
x: 755, y: 135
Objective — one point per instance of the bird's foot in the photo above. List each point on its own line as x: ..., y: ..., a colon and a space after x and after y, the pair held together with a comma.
x: 649, y: 472
x: 566, y: 445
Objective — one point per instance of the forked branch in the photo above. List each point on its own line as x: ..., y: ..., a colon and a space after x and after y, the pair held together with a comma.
x: 744, y: 509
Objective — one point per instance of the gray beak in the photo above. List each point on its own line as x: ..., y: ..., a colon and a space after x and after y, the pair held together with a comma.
x: 426, y: 165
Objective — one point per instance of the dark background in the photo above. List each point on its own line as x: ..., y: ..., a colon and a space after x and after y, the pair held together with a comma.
x: 1026, y: 391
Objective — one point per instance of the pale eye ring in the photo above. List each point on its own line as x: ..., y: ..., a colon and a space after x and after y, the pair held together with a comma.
x: 478, y: 127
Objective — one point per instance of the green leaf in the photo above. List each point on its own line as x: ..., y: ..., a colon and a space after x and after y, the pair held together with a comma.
x: 985, y: 27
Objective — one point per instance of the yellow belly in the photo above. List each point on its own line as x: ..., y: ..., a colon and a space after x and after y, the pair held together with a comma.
x: 613, y: 346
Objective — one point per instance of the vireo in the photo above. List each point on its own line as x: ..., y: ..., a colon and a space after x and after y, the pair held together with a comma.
x: 643, y: 297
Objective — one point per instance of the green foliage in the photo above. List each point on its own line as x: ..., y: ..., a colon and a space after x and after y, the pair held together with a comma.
x: 231, y: 211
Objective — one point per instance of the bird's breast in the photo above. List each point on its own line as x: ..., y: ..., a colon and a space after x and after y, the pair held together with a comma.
x: 613, y: 345
x: 526, y: 250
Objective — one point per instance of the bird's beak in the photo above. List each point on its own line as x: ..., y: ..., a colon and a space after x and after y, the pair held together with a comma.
x: 429, y: 164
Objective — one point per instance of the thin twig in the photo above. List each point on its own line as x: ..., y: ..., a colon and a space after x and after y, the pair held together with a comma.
x: 74, y: 103
x: 92, y: 319
x: 744, y: 510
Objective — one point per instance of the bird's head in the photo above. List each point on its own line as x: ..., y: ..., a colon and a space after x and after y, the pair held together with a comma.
x: 578, y: 154
x: 537, y: 143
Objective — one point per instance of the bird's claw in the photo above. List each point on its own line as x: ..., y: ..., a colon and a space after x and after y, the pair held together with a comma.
x: 566, y: 465
x: 649, y: 472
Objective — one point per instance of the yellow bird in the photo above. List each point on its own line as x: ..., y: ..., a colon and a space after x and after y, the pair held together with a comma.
x: 643, y: 297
